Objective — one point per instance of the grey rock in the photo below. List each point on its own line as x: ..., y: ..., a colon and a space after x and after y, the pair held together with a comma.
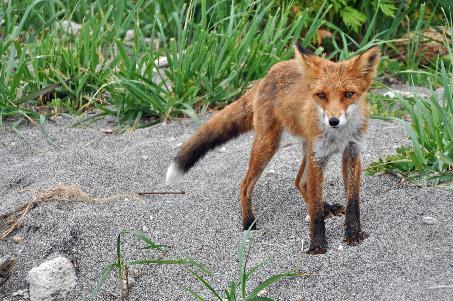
x: 52, y: 280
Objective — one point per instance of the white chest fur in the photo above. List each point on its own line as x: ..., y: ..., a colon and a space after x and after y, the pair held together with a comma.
x: 334, y: 140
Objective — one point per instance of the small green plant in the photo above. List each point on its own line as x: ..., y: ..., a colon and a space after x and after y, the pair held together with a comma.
x: 429, y: 160
x: 238, y: 290
x: 121, y: 263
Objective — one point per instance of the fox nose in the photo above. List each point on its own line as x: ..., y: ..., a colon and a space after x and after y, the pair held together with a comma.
x: 334, y: 121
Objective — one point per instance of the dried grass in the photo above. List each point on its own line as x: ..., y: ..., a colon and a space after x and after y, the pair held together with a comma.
x: 60, y: 193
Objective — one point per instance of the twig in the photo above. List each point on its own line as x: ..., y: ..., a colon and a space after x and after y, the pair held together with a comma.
x: 161, y: 192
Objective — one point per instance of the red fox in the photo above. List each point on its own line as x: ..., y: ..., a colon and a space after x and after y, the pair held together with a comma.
x: 320, y: 101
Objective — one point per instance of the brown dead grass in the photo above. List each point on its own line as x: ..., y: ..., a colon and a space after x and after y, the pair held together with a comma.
x: 60, y: 193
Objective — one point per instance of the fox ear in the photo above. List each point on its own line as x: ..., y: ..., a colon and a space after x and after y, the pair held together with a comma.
x: 304, y: 56
x: 366, y: 63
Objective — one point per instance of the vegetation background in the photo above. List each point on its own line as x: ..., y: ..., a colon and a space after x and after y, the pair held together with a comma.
x: 146, y: 61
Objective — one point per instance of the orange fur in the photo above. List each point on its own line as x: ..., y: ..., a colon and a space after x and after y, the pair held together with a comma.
x: 301, y: 96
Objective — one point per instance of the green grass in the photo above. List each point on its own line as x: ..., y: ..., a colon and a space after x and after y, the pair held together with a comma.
x: 237, y: 290
x: 213, y: 51
x: 122, y: 263
x: 428, y: 160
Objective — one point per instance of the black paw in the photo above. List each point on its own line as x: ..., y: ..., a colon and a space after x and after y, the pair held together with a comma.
x: 248, y: 222
x: 355, y: 238
x: 316, y: 250
x: 333, y: 210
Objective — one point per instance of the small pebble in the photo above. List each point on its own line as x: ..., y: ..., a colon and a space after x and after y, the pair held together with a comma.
x: 262, y: 293
x: 14, y: 294
x: 135, y: 273
x: 428, y: 220
x: 13, y: 143
x: 145, y: 229
x: 177, y: 145
x: 17, y: 239
x: 340, y: 247
x: 271, y: 172
x: 131, y: 282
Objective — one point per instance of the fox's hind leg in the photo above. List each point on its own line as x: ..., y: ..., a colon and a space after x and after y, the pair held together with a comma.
x: 351, y: 178
x: 301, y: 177
x: 264, y: 147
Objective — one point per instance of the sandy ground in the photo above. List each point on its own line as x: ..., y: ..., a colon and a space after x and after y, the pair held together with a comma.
x: 403, y: 258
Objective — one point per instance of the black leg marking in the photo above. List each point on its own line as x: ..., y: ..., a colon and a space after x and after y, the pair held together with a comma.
x: 318, y: 237
x: 248, y: 222
x: 353, y: 232
x: 333, y: 210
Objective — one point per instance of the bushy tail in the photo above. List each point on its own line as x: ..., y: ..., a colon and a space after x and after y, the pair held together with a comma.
x: 234, y: 120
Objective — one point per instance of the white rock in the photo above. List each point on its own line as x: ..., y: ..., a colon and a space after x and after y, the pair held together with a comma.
x: 17, y: 238
x: 129, y: 36
x: 131, y: 282
x: 145, y: 229
x: 223, y: 149
x: 52, y: 280
x: 70, y: 27
x: 262, y: 293
x: 428, y: 220
x: 161, y: 62
x: 340, y: 247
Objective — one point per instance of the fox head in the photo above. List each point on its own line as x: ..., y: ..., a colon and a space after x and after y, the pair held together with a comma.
x: 337, y: 88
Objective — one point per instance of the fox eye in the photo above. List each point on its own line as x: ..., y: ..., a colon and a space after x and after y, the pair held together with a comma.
x: 348, y: 94
x: 321, y: 95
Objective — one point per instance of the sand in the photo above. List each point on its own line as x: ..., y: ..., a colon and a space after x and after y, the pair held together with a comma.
x: 403, y: 258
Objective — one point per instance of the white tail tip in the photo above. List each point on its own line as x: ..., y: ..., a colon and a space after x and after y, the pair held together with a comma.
x: 174, y: 174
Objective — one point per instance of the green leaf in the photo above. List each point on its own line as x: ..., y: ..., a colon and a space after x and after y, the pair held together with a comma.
x: 269, y: 281
x: 104, y: 275
x: 205, y: 284
x: 352, y: 18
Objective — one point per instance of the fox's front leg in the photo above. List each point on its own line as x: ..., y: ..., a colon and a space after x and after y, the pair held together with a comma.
x: 318, y: 243
x: 351, y: 178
